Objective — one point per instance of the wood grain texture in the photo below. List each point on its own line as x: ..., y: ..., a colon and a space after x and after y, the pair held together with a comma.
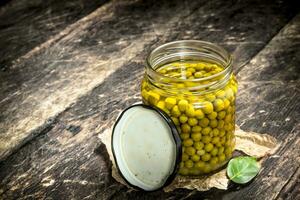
x: 26, y: 24
x: 67, y: 161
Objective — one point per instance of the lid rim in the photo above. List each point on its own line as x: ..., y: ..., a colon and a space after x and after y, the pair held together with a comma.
x: 175, y: 136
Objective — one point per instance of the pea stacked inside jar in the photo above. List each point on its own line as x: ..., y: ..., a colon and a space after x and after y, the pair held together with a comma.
x: 205, y: 120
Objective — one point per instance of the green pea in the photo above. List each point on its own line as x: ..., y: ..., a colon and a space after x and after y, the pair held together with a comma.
x: 198, y: 145
x: 192, y: 121
x: 213, y: 115
x: 204, y: 122
x: 215, y: 132
x: 188, y: 164
x: 182, y: 105
x: 185, y: 157
x: 175, y: 111
x: 208, y: 107
x: 206, y: 157
x: 190, y: 151
x: 214, y: 152
x: 196, y: 128
x: 218, y: 105
x: 221, y: 114
x: 183, y: 119
x: 206, y: 131
x: 208, y: 147
x: 200, y: 164
x: 213, y: 123
x: 190, y: 112
x: 196, y: 137
x: 199, y: 114
x: 195, y: 158
x: 206, y: 139
x: 185, y: 128
x: 184, y: 136
x: 200, y: 152
x: 184, y: 171
x: 187, y: 142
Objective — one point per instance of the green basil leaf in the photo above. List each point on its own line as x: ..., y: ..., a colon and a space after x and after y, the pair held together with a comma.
x: 242, y: 169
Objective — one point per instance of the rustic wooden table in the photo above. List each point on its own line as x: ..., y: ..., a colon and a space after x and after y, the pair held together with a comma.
x: 68, y: 67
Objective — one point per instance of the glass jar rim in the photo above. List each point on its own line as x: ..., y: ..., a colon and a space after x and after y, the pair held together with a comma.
x: 227, y: 66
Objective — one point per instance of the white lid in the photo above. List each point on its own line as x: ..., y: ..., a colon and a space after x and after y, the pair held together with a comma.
x: 146, y: 147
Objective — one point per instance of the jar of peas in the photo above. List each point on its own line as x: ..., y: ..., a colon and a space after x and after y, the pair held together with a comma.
x: 193, y: 83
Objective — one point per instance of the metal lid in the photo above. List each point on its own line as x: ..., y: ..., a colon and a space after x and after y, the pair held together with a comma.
x: 146, y: 147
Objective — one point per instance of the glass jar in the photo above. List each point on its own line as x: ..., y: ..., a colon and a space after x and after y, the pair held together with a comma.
x: 192, y: 81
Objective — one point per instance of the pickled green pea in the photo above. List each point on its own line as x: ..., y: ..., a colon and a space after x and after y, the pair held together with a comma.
x: 206, y: 131
x: 153, y: 97
x: 198, y: 145
x: 208, y: 107
x: 221, y: 115
x: 200, y: 164
x: 206, y: 139
x: 191, y: 69
x: 215, y: 132
x: 228, y: 151
x: 183, y: 119
x: 219, y: 105
x: 222, y: 158
x: 188, y: 164
x: 185, y: 157
x: 196, y: 137
x: 185, y: 128
x: 175, y: 111
x: 199, y: 114
x: 222, y: 133
x: 184, y: 171
x: 223, y: 140
x: 212, y: 115
x: 161, y: 105
x: 210, y: 97
x: 214, y: 161
x: 195, y: 158
x: 181, y: 164
x: 226, y: 103
x: 190, y: 111
x: 187, y: 142
x: 198, y: 74
x: 201, y: 152
x: 220, y: 150
x: 192, y: 121
x: 208, y: 147
x: 184, y: 136
x: 190, y: 151
x: 213, y: 123
x: 206, y: 157
x: 196, y: 128
x: 182, y: 105
x: 215, y: 140
x: 204, y: 122
x: 170, y: 102
x: 220, y: 124
x: 228, y: 118
x: 207, y: 168
x: 195, y: 171
x: 214, y: 152
x: 175, y: 120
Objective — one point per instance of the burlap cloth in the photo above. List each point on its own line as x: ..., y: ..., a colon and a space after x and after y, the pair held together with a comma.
x: 250, y: 143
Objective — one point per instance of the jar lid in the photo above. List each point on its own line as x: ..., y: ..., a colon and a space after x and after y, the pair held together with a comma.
x: 146, y: 147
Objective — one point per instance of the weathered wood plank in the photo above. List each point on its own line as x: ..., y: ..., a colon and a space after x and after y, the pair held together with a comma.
x: 69, y: 162
x: 48, y: 80
x: 26, y: 24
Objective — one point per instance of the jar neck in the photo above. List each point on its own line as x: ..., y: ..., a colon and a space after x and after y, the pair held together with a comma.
x: 188, y: 50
